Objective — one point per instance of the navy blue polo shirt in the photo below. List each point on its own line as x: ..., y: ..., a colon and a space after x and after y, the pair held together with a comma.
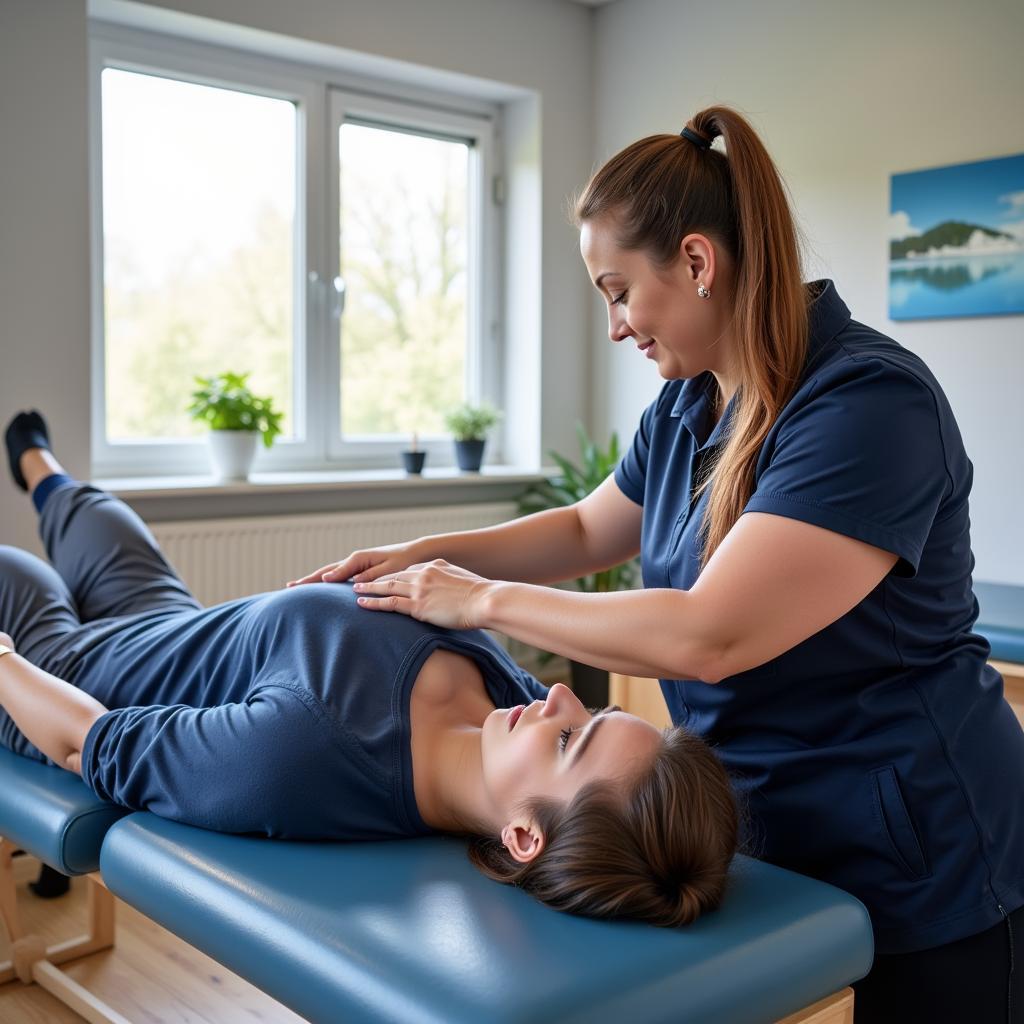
x: 880, y: 754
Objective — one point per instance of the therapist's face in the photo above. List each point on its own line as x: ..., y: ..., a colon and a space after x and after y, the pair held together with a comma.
x: 659, y: 309
x: 537, y: 751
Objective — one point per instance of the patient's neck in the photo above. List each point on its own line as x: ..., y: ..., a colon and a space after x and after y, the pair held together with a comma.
x: 447, y: 708
x: 455, y: 798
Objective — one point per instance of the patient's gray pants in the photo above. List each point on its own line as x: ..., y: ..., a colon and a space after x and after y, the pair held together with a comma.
x: 107, y: 572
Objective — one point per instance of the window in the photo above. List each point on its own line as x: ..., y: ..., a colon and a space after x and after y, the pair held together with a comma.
x: 257, y: 217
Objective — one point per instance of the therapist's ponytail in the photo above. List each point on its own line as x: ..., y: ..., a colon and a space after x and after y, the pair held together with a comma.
x: 664, y: 187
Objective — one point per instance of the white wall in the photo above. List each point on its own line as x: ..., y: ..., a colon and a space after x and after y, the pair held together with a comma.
x: 544, y: 46
x: 843, y: 95
x: 44, y: 235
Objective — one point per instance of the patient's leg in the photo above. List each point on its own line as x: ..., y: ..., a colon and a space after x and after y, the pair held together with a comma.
x: 102, y: 549
x: 107, y: 556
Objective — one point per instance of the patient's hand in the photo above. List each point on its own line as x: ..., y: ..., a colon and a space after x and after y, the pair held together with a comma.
x: 365, y: 565
x: 5, y: 639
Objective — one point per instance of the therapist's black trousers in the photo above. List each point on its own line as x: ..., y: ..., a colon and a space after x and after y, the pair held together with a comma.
x: 975, y: 980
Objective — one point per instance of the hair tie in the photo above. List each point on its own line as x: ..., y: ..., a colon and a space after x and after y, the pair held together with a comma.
x: 698, y: 140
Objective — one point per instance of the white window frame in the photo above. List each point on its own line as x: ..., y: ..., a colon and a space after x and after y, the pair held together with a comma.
x: 323, y: 97
x: 347, y: 106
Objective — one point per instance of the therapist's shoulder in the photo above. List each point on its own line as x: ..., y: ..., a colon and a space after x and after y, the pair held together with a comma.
x: 865, y: 372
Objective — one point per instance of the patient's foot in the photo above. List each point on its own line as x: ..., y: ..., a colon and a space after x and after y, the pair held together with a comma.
x: 28, y: 450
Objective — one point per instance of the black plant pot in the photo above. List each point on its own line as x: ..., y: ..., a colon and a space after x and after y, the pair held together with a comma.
x: 589, y: 684
x: 469, y: 455
x: 413, y: 461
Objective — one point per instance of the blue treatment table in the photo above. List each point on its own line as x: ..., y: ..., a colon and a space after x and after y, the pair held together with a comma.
x: 409, y: 931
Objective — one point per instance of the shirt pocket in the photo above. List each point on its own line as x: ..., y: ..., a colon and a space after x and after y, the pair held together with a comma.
x: 894, y: 819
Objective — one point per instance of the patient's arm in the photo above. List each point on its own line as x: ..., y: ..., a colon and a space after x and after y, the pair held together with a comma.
x: 52, y: 714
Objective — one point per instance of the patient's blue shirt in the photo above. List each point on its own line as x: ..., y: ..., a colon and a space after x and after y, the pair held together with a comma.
x: 285, y: 714
x: 879, y: 754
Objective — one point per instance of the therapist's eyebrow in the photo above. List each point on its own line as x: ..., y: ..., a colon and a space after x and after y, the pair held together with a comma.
x: 588, y: 734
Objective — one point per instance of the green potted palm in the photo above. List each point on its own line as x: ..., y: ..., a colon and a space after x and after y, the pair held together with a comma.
x: 468, y: 425
x: 237, y: 419
x: 571, y: 485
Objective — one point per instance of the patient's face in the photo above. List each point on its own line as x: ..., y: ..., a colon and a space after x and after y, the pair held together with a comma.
x: 556, y: 746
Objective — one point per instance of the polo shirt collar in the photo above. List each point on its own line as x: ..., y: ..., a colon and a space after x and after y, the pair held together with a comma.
x: 827, y: 316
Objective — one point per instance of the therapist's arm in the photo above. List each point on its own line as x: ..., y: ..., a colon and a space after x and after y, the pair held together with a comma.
x: 599, y: 531
x: 52, y: 714
x: 596, y: 533
x: 771, y: 584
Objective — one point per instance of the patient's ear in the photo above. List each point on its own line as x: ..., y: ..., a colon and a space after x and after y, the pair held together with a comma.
x: 523, y: 839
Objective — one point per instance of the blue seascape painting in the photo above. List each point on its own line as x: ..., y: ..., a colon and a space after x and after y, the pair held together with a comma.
x: 956, y: 240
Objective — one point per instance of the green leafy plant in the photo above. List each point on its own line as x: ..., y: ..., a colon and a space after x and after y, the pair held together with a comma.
x: 225, y: 402
x: 572, y: 484
x: 471, y: 422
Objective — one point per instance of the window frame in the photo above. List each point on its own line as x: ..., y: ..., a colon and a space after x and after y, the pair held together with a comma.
x: 344, y: 105
x: 319, y: 94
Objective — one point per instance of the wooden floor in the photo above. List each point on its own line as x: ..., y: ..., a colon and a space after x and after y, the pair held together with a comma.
x: 150, y: 976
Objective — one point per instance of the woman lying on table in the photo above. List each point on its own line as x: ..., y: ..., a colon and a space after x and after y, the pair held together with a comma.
x: 298, y: 714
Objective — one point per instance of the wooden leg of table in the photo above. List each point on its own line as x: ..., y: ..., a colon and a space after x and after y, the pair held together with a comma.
x: 101, y: 926
x: 834, y: 1009
x: 8, y: 904
x: 34, y: 962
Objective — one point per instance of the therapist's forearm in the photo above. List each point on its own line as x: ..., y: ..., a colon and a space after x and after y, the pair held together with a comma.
x: 545, y: 547
x: 654, y: 633
x: 52, y: 714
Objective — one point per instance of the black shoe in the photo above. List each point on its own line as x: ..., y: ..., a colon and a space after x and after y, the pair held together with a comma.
x: 26, y: 430
x: 50, y: 883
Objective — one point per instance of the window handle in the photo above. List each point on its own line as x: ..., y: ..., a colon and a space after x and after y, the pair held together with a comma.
x: 339, y: 301
x: 338, y: 305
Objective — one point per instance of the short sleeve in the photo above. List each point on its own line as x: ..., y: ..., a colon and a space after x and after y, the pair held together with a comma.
x: 863, y: 456
x: 231, y: 768
x: 631, y: 472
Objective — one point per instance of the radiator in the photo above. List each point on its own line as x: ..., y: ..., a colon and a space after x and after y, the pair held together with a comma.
x: 221, y: 559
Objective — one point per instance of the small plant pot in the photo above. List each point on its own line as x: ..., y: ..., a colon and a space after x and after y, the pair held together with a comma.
x: 232, y: 452
x: 413, y: 461
x: 469, y: 455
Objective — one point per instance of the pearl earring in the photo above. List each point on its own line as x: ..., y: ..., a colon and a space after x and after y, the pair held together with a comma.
x: 703, y: 292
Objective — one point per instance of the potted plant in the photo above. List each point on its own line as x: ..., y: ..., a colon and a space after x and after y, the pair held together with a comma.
x: 469, y: 424
x: 413, y: 458
x: 573, y: 483
x: 237, y: 419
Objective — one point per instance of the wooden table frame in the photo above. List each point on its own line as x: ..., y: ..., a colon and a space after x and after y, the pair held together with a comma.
x: 36, y: 962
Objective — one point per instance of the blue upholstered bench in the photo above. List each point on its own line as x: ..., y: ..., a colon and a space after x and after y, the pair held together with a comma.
x: 1001, y: 622
x: 1001, y: 619
x: 410, y: 931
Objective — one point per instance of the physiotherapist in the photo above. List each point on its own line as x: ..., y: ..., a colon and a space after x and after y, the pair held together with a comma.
x: 798, y: 494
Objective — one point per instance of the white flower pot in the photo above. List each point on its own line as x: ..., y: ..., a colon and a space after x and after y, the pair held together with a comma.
x: 232, y: 452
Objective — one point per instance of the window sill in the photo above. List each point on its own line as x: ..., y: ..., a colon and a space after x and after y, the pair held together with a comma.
x: 161, y: 499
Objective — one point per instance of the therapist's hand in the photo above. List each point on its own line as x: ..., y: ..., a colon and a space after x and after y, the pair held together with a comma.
x: 438, y: 592
x: 368, y: 564
x: 6, y: 640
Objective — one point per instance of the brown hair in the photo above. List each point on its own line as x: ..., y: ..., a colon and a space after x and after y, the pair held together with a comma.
x: 664, y: 187
x: 657, y: 850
